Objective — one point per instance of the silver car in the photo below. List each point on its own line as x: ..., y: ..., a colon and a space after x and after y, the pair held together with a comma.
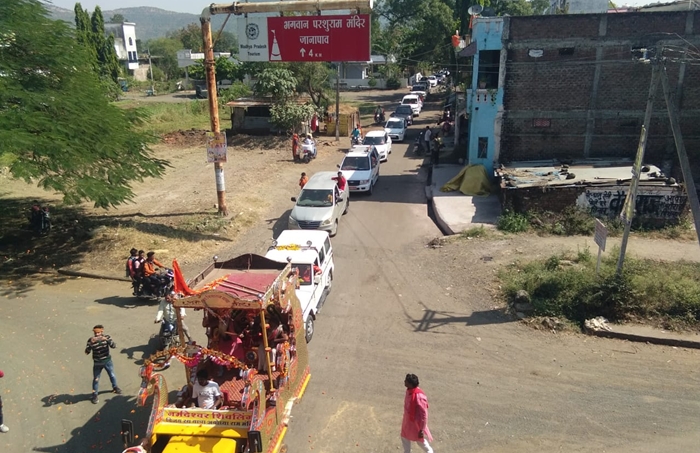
x: 320, y: 204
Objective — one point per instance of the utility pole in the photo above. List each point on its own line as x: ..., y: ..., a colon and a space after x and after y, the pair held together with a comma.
x: 212, y: 97
x: 337, y: 103
x: 628, y: 209
x: 680, y: 148
x: 150, y: 70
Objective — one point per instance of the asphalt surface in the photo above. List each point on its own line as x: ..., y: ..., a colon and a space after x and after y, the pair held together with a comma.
x: 494, y: 385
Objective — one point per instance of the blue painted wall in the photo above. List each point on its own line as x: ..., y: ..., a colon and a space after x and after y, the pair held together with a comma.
x: 483, y: 104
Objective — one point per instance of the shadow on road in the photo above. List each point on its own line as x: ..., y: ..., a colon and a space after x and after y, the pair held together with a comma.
x: 66, y: 398
x: 145, y: 350
x: 279, y: 224
x: 433, y: 319
x: 127, y: 301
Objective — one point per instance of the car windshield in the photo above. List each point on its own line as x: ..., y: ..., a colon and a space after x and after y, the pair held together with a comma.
x: 395, y: 124
x: 305, y: 277
x: 410, y: 101
x: 316, y: 198
x: 374, y: 141
x: 355, y: 163
x: 406, y: 110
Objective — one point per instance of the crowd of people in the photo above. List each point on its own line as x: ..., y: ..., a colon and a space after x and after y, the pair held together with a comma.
x: 142, y: 270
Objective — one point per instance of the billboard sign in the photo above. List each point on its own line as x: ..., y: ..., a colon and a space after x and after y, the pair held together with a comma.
x: 305, y: 38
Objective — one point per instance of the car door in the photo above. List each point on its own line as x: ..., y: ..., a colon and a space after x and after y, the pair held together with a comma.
x: 337, y: 205
x: 387, y: 140
x: 374, y: 162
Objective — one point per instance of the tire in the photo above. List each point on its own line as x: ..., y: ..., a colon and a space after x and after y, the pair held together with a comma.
x: 371, y: 188
x: 309, y: 328
x: 347, y: 207
x: 307, y: 159
x: 335, y: 229
x: 330, y: 281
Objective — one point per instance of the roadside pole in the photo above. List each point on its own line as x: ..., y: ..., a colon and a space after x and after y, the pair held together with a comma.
x: 337, y: 104
x: 680, y: 148
x: 600, y: 238
x: 212, y: 97
x: 628, y: 208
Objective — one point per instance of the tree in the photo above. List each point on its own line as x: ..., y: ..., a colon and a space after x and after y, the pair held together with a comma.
x: 117, y: 19
x: 280, y: 84
x: 56, y: 126
x: 164, y: 52
x: 90, y: 33
x: 290, y: 115
x: 190, y: 37
x: 314, y: 78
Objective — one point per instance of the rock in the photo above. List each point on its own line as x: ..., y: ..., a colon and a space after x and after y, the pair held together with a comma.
x: 520, y: 315
x: 524, y: 307
x: 551, y: 323
x: 522, y: 297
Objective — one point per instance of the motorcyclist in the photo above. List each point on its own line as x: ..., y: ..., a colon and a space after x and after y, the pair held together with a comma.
x: 379, y: 114
x: 356, y: 134
x: 132, y: 269
x: 166, y: 314
x: 150, y: 278
x: 309, y: 141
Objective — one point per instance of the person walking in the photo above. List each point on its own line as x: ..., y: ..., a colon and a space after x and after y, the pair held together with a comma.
x: 414, y: 427
x: 303, y: 180
x: 427, y: 137
x: 166, y: 312
x: 3, y: 426
x: 99, y: 344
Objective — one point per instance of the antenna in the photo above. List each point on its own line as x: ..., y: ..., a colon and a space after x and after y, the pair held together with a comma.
x: 475, y: 10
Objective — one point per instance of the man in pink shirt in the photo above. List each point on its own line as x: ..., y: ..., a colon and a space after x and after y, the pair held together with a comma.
x: 414, y: 427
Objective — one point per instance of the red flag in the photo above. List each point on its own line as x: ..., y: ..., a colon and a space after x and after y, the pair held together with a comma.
x: 179, y: 282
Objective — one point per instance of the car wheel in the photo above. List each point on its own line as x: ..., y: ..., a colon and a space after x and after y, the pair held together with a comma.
x: 371, y: 188
x: 335, y: 229
x: 309, y: 328
x: 347, y: 206
x: 330, y: 281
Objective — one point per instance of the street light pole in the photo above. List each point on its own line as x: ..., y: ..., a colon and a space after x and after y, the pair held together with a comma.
x: 212, y: 97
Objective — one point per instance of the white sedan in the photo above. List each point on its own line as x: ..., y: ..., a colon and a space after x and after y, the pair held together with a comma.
x: 433, y: 81
x: 396, y: 128
x: 381, y: 141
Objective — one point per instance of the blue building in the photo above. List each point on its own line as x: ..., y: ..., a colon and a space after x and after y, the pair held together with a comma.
x: 484, y: 96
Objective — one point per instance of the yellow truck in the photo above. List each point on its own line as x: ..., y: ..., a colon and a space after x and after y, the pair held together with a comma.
x: 256, y: 354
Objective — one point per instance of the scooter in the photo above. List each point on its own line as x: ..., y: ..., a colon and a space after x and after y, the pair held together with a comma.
x: 307, y: 152
x: 39, y: 219
x: 379, y: 118
x: 168, y: 336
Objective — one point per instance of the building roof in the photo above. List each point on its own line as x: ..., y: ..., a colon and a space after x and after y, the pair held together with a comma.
x: 586, y: 172
x: 260, y: 101
x: 680, y: 5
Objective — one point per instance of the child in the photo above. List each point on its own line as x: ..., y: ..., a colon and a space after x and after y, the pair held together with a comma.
x: 303, y: 180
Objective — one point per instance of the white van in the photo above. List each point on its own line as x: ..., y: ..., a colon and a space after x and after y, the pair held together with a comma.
x: 361, y: 168
x: 306, y: 250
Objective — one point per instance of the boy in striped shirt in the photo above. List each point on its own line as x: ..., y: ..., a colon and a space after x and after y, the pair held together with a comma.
x: 99, y: 344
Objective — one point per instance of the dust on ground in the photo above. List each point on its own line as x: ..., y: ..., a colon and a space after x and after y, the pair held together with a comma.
x: 176, y: 216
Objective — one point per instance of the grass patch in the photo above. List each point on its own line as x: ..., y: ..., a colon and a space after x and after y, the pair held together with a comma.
x: 165, y: 117
x: 7, y: 159
x: 474, y: 232
x: 513, y: 222
x: 566, y: 285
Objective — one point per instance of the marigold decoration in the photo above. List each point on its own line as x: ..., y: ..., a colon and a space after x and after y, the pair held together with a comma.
x: 192, y: 360
x: 291, y: 247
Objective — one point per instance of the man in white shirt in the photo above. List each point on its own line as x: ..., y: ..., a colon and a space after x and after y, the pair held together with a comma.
x: 206, y: 392
x: 427, y: 136
x: 166, y: 311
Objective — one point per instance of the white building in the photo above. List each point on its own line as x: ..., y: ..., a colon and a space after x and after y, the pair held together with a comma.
x: 125, y: 43
x: 579, y: 6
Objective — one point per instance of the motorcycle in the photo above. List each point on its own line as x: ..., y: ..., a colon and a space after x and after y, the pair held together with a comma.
x: 39, y: 219
x: 168, y: 336
x: 163, y: 286
x: 379, y: 118
x: 307, y: 152
x: 354, y: 141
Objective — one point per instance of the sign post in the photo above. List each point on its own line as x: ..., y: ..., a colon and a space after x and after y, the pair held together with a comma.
x: 600, y: 238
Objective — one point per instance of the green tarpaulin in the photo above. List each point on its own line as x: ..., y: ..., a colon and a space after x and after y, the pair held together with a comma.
x: 471, y: 180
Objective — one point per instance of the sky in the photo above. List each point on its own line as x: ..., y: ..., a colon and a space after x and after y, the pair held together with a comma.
x: 194, y: 7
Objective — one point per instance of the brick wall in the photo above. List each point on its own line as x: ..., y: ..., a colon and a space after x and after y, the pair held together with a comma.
x: 560, y: 85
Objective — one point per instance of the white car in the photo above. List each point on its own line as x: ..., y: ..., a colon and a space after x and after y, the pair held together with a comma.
x: 433, y: 81
x: 319, y: 206
x: 361, y: 168
x: 306, y: 249
x: 421, y: 95
x: 381, y: 142
x: 413, y: 101
x: 396, y: 129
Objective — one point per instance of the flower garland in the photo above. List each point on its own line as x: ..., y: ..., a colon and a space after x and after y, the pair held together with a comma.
x: 191, y: 361
x: 291, y: 247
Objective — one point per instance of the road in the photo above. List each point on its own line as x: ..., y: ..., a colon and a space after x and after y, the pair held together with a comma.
x: 494, y: 385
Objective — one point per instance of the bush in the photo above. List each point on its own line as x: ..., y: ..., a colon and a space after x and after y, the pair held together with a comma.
x: 513, y: 222
x: 665, y: 292
x: 372, y: 82
x: 392, y: 83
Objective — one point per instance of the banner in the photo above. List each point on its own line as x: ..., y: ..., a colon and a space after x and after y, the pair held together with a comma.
x: 216, y: 147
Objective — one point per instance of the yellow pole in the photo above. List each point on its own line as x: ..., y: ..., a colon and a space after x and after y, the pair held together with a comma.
x: 267, y: 349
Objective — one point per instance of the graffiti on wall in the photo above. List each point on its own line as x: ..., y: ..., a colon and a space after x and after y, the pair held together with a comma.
x: 662, y: 203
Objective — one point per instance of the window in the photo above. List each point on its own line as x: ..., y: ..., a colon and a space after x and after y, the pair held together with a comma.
x: 489, y: 63
x: 131, y: 41
x: 327, y: 246
x: 541, y: 122
x: 566, y: 51
x: 321, y: 255
x: 483, y: 148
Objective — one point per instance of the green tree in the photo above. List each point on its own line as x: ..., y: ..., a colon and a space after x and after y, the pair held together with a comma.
x: 278, y: 83
x: 55, y: 123
x: 164, y: 55
x: 190, y: 37
x: 289, y: 115
x: 226, y: 42
x: 117, y: 19
x: 314, y: 78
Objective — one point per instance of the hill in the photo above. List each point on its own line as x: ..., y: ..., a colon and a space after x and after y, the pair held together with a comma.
x: 150, y: 22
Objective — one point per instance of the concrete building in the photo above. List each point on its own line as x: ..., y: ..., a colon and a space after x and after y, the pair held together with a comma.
x: 125, y: 44
x: 578, y: 6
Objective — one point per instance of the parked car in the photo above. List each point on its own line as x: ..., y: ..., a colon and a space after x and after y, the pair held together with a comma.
x: 304, y: 250
x: 421, y: 95
x: 414, y: 102
x: 319, y: 205
x: 404, y: 111
x: 433, y: 81
x: 361, y: 168
x: 396, y: 128
x: 381, y: 142
x: 421, y: 86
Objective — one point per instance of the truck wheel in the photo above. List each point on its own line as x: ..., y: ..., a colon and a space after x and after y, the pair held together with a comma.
x: 330, y: 281
x: 309, y: 328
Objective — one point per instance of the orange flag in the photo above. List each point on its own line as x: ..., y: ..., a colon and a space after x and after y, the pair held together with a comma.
x: 179, y: 282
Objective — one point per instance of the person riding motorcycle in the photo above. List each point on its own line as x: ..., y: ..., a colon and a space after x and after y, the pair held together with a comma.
x: 168, y: 317
x: 150, y: 278
x: 379, y: 114
x: 309, y: 142
x: 356, y: 135
x: 132, y: 270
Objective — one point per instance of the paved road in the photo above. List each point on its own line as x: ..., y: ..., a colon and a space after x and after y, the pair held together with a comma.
x: 494, y: 385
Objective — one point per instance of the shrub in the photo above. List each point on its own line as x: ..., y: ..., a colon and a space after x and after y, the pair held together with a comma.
x: 392, y: 83
x: 512, y: 222
x: 372, y: 82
